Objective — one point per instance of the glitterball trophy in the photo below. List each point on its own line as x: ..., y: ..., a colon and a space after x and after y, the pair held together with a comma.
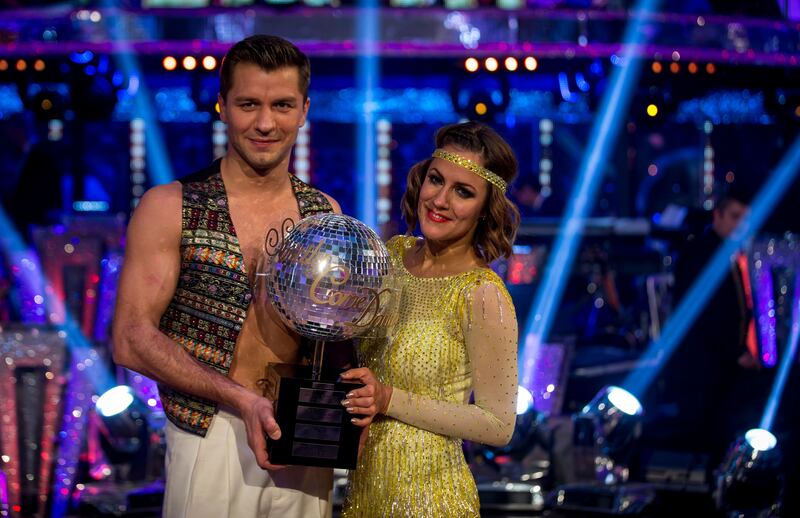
x: 330, y: 278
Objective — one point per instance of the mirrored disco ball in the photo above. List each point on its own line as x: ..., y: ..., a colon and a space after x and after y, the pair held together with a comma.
x: 331, y: 278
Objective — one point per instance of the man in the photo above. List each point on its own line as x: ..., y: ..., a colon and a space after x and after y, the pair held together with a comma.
x: 185, y: 314
x: 712, y: 377
x: 727, y: 315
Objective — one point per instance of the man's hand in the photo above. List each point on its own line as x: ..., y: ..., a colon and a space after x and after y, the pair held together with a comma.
x: 258, y: 414
x: 370, y: 400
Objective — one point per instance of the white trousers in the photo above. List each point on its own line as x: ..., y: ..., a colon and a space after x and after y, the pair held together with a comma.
x: 216, y: 476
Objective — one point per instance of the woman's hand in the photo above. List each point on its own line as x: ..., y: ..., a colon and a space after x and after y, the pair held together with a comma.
x: 370, y: 400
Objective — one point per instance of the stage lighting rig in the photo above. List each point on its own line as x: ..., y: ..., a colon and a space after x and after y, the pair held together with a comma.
x: 124, y: 432
x: 610, y: 423
x: 608, y: 427
x: 749, y: 482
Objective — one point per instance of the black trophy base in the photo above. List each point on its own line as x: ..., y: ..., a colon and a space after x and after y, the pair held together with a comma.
x: 315, y: 427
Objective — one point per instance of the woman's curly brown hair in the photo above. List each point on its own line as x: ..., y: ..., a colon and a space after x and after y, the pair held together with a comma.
x: 499, y: 221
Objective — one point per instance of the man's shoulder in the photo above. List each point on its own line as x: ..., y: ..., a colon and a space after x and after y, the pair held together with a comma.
x: 158, y: 214
x: 162, y: 194
x: 160, y: 203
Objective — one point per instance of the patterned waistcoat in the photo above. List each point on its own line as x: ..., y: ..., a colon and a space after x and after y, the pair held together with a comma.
x: 213, y: 294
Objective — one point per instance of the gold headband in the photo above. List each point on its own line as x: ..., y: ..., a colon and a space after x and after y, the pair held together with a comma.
x: 469, y: 165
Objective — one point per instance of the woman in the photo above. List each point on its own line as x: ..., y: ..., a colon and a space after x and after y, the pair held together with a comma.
x: 457, y: 334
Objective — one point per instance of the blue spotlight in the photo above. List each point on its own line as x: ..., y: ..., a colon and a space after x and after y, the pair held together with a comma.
x: 612, y: 109
x: 159, y: 164
x: 659, y: 351
x: 789, y: 355
x: 28, y: 278
x: 367, y: 75
x: 114, y: 401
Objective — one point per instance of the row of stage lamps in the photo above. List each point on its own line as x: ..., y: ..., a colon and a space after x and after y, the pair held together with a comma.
x: 471, y: 64
x: 693, y: 68
x: 170, y: 63
x: 22, y: 65
x: 530, y: 63
x: 492, y: 64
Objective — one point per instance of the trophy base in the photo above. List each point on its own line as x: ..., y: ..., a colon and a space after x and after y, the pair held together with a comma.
x: 315, y: 427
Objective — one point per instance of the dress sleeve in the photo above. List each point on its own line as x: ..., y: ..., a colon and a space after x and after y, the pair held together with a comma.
x: 490, y: 331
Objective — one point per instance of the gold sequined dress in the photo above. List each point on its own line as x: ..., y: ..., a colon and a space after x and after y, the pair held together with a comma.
x: 456, y: 335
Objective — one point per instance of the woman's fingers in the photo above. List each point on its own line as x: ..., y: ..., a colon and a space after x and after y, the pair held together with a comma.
x: 367, y: 410
x: 365, y: 391
x: 360, y: 374
x: 364, y: 400
x: 362, y: 405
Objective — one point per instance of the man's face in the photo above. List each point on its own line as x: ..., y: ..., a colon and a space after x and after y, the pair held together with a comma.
x: 263, y: 111
x: 726, y: 220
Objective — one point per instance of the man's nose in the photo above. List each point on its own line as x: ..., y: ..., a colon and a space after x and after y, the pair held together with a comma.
x: 265, y: 122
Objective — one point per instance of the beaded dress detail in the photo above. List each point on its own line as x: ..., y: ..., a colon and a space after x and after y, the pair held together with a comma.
x: 455, y: 335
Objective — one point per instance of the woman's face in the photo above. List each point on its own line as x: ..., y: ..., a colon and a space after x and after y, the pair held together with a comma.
x: 451, y: 200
